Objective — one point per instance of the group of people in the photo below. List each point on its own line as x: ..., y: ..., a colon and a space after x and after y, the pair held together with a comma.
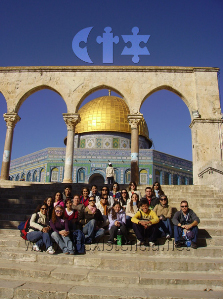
x: 74, y: 220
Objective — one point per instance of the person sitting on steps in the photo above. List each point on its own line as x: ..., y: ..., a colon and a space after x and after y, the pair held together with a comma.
x: 185, y: 222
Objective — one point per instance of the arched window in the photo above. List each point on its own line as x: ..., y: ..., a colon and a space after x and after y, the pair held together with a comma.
x: 42, y: 172
x: 17, y: 177
x: 166, y: 178
x: 175, y: 179
x: 22, y: 177
x: 183, y: 180
x: 11, y: 178
x: 143, y: 177
x: 35, y: 176
x: 116, y: 175
x: 81, y: 176
x: 28, y: 177
x: 54, y: 175
x: 157, y: 176
x: 127, y: 176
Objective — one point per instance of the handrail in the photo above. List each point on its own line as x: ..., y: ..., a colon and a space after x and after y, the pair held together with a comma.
x: 210, y: 170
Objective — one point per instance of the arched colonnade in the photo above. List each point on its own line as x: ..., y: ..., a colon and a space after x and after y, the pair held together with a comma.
x: 197, y: 87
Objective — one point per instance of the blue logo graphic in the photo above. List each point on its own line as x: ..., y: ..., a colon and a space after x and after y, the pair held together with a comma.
x: 108, y: 40
x: 81, y: 36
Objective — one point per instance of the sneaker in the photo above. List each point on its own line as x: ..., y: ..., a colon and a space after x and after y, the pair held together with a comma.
x: 193, y: 245
x: 151, y: 244
x: 36, y: 248
x: 50, y: 250
x: 168, y: 237
x: 140, y: 243
x: 109, y: 242
x: 178, y: 244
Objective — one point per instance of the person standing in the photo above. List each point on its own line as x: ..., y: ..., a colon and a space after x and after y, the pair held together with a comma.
x: 110, y: 173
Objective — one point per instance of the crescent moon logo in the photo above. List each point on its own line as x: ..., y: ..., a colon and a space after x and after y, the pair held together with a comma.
x: 82, y: 36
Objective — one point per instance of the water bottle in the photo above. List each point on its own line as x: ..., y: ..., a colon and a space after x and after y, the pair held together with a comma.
x: 188, y: 243
x: 119, y: 237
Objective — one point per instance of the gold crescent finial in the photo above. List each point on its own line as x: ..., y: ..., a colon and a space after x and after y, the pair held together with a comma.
x: 109, y: 92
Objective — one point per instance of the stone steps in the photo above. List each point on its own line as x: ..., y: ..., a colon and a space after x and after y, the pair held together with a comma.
x: 20, y: 289
x: 113, y: 272
x: 157, y: 256
x: 70, y: 275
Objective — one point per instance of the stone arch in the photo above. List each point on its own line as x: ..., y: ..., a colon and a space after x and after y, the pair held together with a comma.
x: 171, y: 89
x: 54, y: 174
x: 35, y: 176
x: 32, y: 91
x: 81, y: 173
x: 127, y: 176
x: 143, y: 176
x: 99, y: 87
x: 96, y: 178
x: 29, y: 177
x: 42, y: 175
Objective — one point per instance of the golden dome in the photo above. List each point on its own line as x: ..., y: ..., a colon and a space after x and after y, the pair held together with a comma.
x: 107, y: 114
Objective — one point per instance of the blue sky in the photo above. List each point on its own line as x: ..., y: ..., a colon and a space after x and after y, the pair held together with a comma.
x: 35, y: 33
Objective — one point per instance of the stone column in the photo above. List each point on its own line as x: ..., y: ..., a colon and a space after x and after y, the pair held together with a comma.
x: 71, y: 119
x: 207, y: 149
x: 134, y: 120
x: 11, y: 120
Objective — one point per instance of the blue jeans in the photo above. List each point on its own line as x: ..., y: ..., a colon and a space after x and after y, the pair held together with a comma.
x: 165, y: 227
x: 64, y: 243
x: 178, y: 233
x: 39, y: 238
x: 90, y: 230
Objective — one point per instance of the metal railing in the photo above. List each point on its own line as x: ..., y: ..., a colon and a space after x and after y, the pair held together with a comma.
x: 210, y: 170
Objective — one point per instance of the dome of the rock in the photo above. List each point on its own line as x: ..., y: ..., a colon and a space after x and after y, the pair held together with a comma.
x: 107, y: 114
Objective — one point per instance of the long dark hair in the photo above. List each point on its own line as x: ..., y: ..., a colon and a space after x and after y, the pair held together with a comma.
x: 112, y: 211
x: 50, y: 208
x: 131, y: 184
x: 160, y: 188
x: 122, y: 200
x: 61, y: 195
x: 115, y: 183
x: 83, y: 190
x: 131, y: 202
x: 40, y: 206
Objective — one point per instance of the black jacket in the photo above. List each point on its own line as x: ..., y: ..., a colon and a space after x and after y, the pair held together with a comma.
x: 179, y: 218
x: 154, y: 201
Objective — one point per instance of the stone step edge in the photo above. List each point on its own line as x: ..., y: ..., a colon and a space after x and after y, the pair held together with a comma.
x: 20, y: 289
x: 165, y: 275
x: 40, y: 257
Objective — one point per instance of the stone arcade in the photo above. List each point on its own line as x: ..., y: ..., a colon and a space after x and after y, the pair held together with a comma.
x: 197, y: 87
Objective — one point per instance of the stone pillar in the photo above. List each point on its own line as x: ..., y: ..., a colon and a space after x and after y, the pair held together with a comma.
x: 11, y: 120
x: 134, y: 120
x: 207, y: 150
x: 71, y: 119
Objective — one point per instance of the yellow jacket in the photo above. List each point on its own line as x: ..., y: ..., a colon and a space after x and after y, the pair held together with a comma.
x: 150, y: 216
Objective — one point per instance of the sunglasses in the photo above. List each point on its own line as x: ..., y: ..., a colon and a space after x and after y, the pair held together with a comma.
x: 91, y: 200
x: 184, y: 206
x: 43, y: 209
x: 162, y: 199
x: 59, y: 211
x: 124, y: 192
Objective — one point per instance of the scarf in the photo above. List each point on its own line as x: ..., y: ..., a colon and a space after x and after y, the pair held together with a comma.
x: 105, y: 208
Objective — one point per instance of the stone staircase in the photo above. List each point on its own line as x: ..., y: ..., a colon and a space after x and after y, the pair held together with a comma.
x: 112, y: 272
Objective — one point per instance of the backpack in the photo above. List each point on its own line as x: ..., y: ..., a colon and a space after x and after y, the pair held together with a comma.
x: 24, y: 227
